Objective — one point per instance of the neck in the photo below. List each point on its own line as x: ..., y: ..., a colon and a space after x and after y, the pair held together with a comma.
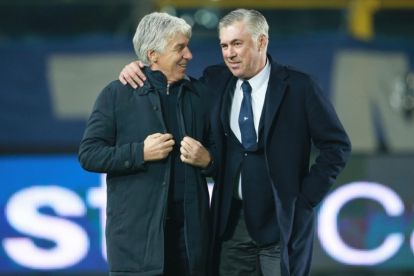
x: 260, y: 67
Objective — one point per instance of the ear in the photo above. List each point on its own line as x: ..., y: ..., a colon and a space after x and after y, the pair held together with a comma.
x: 152, y: 56
x: 262, y: 42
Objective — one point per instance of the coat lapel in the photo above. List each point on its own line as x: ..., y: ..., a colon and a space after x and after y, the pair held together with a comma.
x: 226, y: 104
x: 274, y: 96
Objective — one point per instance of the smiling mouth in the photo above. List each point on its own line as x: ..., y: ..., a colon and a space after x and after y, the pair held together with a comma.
x: 234, y: 64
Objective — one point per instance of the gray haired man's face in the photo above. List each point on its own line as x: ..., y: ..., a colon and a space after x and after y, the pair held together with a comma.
x: 173, y: 61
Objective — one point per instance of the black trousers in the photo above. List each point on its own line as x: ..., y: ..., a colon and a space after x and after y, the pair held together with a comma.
x: 175, y: 259
x: 241, y: 255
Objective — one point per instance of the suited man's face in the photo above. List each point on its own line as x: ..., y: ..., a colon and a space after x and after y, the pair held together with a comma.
x: 244, y: 56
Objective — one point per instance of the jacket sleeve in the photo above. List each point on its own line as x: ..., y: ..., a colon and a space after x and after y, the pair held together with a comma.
x: 208, y: 141
x: 99, y: 151
x: 210, y: 171
x: 330, y: 138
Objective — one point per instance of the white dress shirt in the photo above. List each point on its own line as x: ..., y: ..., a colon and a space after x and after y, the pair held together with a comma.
x: 259, y: 85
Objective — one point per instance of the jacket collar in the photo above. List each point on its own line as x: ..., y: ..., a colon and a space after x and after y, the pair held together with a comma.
x: 156, y: 81
x: 188, y: 83
x: 277, y: 70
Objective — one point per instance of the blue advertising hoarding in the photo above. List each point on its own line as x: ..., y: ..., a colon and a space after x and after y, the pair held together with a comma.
x: 53, y: 217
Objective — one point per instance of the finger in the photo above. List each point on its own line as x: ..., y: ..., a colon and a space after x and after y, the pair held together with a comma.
x: 135, y: 74
x: 138, y: 71
x: 130, y: 74
x: 192, y: 142
x: 154, y: 135
x: 122, y: 79
x: 182, y: 157
x: 185, y: 148
x: 185, y: 159
x: 165, y: 137
x: 130, y: 81
x: 193, y: 146
x: 185, y: 145
x: 140, y: 64
x: 157, y: 134
x: 138, y: 81
x: 184, y: 151
x: 188, y: 139
x: 168, y: 143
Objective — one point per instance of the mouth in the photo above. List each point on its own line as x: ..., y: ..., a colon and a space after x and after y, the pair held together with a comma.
x: 233, y: 65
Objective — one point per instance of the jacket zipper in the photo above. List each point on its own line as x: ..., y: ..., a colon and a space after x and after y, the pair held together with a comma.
x: 181, y: 123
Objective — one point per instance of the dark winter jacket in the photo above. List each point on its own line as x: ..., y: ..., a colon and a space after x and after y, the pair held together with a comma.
x: 137, y: 190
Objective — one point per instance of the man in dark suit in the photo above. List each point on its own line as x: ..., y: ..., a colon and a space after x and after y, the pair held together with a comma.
x: 264, y: 198
x: 264, y: 120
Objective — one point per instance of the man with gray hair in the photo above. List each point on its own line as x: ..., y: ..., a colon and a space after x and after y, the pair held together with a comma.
x: 152, y: 142
x: 264, y: 120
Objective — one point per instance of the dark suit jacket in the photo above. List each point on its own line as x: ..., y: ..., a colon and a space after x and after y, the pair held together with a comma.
x: 296, y: 115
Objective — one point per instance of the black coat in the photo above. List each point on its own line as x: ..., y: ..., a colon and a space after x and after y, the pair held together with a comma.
x: 136, y: 190
x: 296, y: 115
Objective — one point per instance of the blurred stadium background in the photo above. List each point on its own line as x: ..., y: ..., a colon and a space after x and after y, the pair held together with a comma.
x: 57, y: 55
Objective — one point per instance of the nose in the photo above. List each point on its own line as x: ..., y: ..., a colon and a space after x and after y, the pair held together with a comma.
x: 187, y: 54
x: 229, y: 52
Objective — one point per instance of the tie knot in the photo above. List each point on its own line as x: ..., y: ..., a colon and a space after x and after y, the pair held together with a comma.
x: 246, y: 87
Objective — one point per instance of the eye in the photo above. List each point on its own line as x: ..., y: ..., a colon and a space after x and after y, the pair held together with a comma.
x: 237, y: 43
x: 179, y: 48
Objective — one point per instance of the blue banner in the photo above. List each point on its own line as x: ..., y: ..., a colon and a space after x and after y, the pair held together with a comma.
x: 53, y: 215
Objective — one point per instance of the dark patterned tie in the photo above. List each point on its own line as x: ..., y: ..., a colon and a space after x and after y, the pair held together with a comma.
x: 246, y: 123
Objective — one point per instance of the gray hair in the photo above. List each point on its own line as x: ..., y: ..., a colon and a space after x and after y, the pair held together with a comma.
x: 153, y: 32
x: 255, y: 21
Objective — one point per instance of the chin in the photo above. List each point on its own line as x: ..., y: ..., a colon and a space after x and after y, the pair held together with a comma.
x: 236, y: 74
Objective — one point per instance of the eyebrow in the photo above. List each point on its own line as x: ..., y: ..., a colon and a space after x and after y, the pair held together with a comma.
x: 231, y: 42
